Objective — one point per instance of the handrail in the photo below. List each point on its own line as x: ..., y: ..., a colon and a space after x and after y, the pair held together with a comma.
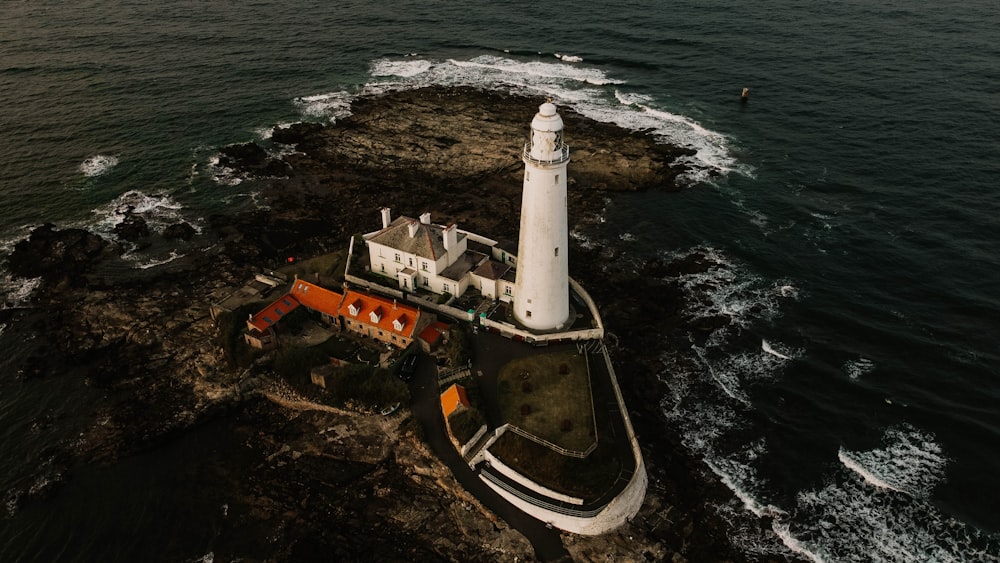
x: 536, y: 501
x: 562, y: 151
x: 550, y: 445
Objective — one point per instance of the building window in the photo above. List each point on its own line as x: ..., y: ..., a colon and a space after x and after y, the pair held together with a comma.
x: 383, y: 268
x: 410, y: 260
x: 427, y: 282
x: 507, y: 290
x: 529, y: 314
x: 398, y: 259
x: 423, y: 266
x: 447, y: 288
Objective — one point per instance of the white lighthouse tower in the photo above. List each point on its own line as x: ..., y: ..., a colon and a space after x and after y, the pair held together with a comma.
x: 541, y: 288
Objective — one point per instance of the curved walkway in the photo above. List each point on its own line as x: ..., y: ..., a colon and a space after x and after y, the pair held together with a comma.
x: 426, y: 408
x: 494, y: 351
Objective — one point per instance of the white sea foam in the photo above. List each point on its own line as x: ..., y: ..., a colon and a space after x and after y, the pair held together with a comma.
x: 859, y: 367
x: 725, y: 288
x: 158, y: 209
x: 590, y: 91
x: 222, y: 175
x: 143, y: 262
x: 911, y: 462
x: 788, y: 290
x: 332, y: 105
x: 768, y: 348
x: 874, y: 506
x: 569, y: 58
x: 405, y: 69
x: 98, y: 164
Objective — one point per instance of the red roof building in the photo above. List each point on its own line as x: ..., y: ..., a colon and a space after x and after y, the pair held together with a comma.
x: 380, y: 318
x: 452, y: 399
x: 273, y: 313
x: 316, y: 298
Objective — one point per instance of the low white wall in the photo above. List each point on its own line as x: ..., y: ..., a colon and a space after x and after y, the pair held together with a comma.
x: 617, y: 512
x: 513, y: 475
x: 472, y: 442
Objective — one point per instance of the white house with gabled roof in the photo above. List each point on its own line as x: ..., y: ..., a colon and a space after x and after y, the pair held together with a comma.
x: 420, y: 255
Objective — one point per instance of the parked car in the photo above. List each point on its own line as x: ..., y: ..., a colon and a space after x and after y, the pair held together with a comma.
x: 409, y: 367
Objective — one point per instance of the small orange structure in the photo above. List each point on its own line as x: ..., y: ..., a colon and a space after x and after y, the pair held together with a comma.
x: 432, y: 335
x: 453, y: 399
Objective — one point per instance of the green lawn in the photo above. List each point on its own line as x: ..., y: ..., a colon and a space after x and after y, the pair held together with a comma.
x: 548, y: 395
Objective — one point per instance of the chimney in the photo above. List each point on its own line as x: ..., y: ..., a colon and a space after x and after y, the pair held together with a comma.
x: 451, y: 237
x: 413, y: 226
x: 394, y: 306
x: 426, y: 218
x: 386, y: 217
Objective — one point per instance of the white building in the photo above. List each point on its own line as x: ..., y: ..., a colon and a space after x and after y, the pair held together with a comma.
x: 420, y: 255
x: 541, y: 291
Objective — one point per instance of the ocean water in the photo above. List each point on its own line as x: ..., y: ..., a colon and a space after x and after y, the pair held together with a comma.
x: 852, y: 228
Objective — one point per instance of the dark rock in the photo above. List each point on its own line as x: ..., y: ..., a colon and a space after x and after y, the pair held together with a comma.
x: 247, y: 155
x: 132, y: 228
x: 181, y: 230
x: 54, y: 254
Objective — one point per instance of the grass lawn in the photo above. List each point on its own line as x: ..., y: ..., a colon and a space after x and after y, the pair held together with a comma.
x: 548, y: 395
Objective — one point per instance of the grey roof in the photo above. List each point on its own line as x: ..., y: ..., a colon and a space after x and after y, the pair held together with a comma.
x: 428, y: 242
x: 465, y: 263
x: 491, y: 270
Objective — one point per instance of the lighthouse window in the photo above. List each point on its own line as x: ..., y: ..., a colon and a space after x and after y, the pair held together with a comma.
x: 557, y: 179
x: 527, y: 175
x: 557, y: 251
x: 529, y: 314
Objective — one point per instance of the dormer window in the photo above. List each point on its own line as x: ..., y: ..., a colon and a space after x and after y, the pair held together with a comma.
x: 375, y: 315
x: 354, y: 308
x: 399, y: 323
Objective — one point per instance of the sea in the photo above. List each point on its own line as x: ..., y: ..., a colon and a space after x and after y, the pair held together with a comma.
x: 849, y: 212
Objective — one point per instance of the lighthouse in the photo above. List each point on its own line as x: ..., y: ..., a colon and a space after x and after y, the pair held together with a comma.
x: 541, y: 286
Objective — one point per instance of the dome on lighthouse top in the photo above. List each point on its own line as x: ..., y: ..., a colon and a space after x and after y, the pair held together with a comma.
x: 547, y: 119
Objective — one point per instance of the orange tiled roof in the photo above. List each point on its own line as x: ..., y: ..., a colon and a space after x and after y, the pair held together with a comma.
x: 274, y: 312
x: 433, y: 332
x: 451, y: 398
x: 316, y: 298
x: 387, y: 310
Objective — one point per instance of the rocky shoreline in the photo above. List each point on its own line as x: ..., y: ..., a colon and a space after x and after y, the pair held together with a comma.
x: 331, y: 484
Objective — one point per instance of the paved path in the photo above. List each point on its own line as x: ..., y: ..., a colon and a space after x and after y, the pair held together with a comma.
x: 426, y: 408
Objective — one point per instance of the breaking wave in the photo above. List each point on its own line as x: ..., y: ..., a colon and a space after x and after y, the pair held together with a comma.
x: 159, y: 210
x: 590, y: 91
x: 873, y: 505
x: 97, y: 165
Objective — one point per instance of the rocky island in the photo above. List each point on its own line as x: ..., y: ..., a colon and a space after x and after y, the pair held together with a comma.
x: 308, y: 481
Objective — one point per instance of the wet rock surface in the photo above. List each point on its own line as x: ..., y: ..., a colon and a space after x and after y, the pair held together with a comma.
x: 316, y: 483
